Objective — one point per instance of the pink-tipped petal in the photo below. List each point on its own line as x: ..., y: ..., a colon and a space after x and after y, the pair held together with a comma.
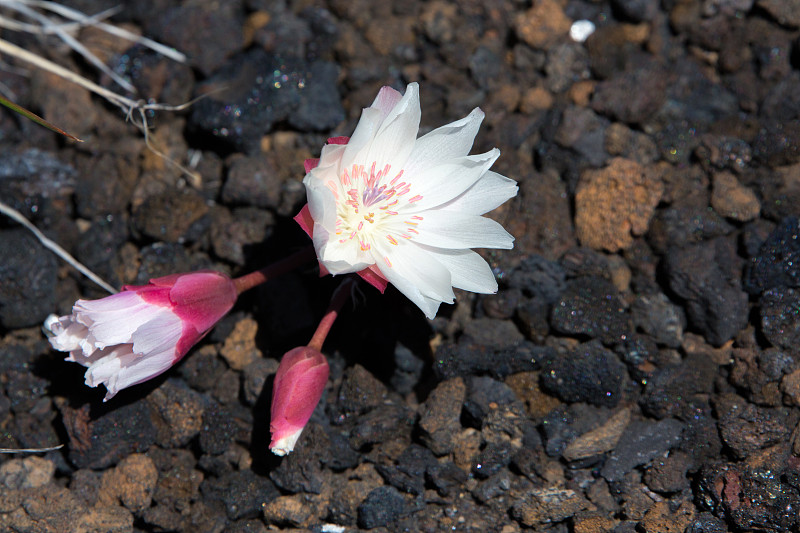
x: 310, y: 164
x: 338, y: 140
x: 299, y: 382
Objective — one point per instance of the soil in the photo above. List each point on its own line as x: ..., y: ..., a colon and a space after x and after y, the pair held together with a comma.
x: 638, y: 370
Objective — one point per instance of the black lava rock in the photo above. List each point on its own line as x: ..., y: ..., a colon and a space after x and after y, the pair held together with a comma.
x: 408, y: 472
x: 382, y: 506
x: 641, y: 442
x: 102, y: 441
x: 716, y: 305
x: 469, y: 359
x: 28, y: 271
x: 591, y: 374
x: 538, y: 278
x: 777, y: 264
x: 259, y: 90
x: 243, y: 493
x: 483, y: 394
x: 780, y: 319
x: 679, y: 390
x: 218, y: 429
x: 590, y: 306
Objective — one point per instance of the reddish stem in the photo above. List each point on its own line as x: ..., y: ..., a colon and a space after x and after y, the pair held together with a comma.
x: 253, y: 279
x: 337, y: 301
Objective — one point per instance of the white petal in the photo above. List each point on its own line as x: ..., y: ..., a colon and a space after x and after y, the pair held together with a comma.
x: 321, y: 199
x: 386, y: 100
x: 396, y: 136
x: 442, y: 183
x: 159, y: 336
x: 454, y: 230
x: 468, y: 270
x: 331, y: 155
x: 447, y: 142
x: 65, y: 334
x: 490, y: 192
x: 362, y: 137
x: 416, y: 274
x: 112, y: 320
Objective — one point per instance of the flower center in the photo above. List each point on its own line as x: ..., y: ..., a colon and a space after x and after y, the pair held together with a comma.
x: 373, y: 200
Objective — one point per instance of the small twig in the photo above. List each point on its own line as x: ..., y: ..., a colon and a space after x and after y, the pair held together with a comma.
x: 31, y: 450
x: 54, y: 247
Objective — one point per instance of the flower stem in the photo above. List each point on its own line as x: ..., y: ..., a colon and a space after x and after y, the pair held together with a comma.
x: 253, y: 279
x: 338, y: 299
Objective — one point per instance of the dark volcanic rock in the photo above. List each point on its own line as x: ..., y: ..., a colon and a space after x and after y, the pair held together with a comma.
x: 408, y: 472
x: 258, y: 90
x: 468, y: 359
x: 716, y: 304
x: 777, y: 263
x: 243, y: 493
x: 105, y: 440
x: 641, y: 442
x: 28, y: 271
x: 381, y: 507
x: 679, y: 390
x: 590, y: 306
x: 780, y: 322
x: 591, y: 373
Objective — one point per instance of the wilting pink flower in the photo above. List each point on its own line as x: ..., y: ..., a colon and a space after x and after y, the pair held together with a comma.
x: 140, y: 332
x: 405, y: 210
x: 298, y: 386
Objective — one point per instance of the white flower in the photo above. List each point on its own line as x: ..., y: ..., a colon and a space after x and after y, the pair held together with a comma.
x: 409, y: 208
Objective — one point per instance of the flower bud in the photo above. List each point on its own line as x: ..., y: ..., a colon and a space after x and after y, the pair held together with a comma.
x: 298, y: 386
x: 143, y: 330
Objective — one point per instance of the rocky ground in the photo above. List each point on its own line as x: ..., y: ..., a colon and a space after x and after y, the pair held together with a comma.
x: 638, y: 370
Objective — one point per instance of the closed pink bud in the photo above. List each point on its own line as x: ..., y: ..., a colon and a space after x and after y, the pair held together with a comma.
x: 143, y: 330
x: 298, y: 386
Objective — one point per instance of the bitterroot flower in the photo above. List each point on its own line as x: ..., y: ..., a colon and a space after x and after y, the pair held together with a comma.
x: 298, y: 386
x: 140, y: 332
x: 405, y: 210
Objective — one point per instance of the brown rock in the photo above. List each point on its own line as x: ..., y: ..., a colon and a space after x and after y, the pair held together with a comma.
x: 660, y: 519
x: 466, y: 447
x: 614, y: 203
x: 440, y: 415
x: 107, y: 519
x: 390, y: 34
x: 292, y: 511
x: 543, y: 506
x: 526, y: 386
x: 130, y: 483
x: 64, y: 103
x: 26, y: 473
x: 543, y: 24
x: 790, y: 387
x: 599, y: 440
x: 240, y: 349
x: 733, y: 200
x: 178, y: 414
x: 46, y: 509
x: 594, y: 524
x: 536, y: 99
x: 786, y: 12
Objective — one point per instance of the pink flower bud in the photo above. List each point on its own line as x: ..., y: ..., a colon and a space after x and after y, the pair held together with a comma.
x: 298, y: 386
x: 140, y: 332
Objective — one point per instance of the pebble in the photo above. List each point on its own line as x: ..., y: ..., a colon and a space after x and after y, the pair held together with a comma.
x: 102, y: 440
x: 777, y: 263
x: 543, y: 24
x: 440, y: 416
x: 252, y: 180
x: 732, y: 200
x: 599, y: 440
x: 463, y: 360
x: 408, y: 472
x: 30, y: 472
x: 239, y: 349
x: 716, y: 305
x: 242, y: 493
x: 641, y: 442
x: 547, y: 505
x: 237, y: 234
x: 171, y: 216
x: 679, y: 390
x: 178, y: 413
x: 658, y: 317
x: 590, y: 306
x: 131, y: 483
x: 381, y: 507
x: 590, y: 373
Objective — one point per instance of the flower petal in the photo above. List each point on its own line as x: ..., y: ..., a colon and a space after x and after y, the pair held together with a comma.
x: 442, y: 183
x: 488, y: 193
x: 447, y: 142
x: 396, y: 136
x: 468, y: 270
x: 362, y: 137
x: 416, y: 274
x: 159, y: 336
x: 454, y: 230
x: 113, y: 319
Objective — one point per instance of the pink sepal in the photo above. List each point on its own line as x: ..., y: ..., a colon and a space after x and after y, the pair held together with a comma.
x: 298, y: 386
x: 371, y: 274
x: 310, y: 164
x: 338, y: 140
